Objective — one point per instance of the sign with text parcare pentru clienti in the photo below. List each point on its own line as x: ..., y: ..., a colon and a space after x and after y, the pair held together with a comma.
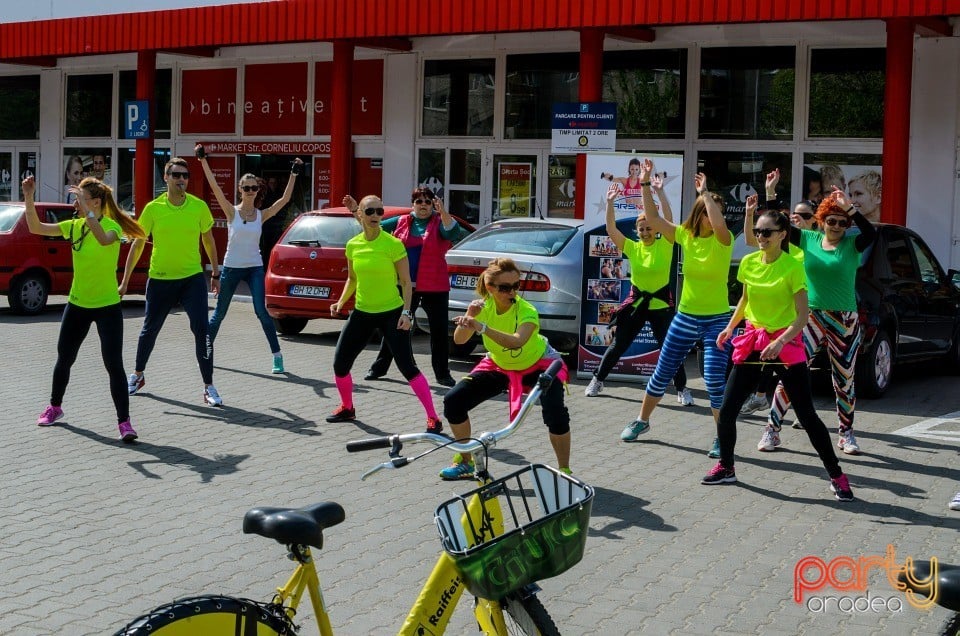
x: 584, y: 127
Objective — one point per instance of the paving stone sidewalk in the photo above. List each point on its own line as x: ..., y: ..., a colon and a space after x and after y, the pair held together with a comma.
x: 96, y: 532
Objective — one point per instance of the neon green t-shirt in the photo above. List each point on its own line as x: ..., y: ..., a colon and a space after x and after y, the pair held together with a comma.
x: 94, y: 266
x: 176, y: 234
x: 649, y: 266
x: 706, y: 265
x: 373, y: 263
x: 770, y: 289
x: 832, y: 274
x: 519, y: 313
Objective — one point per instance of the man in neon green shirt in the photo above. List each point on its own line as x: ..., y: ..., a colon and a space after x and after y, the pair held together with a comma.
x: 178, y: 222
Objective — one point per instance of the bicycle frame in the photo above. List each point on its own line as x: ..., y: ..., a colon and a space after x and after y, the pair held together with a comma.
x: 434, y: 605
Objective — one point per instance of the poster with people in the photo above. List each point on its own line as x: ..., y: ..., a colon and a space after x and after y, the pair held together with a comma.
x: 606, y: 271
x: 861, y: 183
x: 80, y: 163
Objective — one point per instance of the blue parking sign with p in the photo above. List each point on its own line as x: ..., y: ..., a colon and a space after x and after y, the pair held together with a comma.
x: 136, y: 119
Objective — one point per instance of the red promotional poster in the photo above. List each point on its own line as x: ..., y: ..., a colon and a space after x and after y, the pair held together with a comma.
x: 321, y: 181
x: 208, y: 101
x: 366, y: 97
x: 275, y: 99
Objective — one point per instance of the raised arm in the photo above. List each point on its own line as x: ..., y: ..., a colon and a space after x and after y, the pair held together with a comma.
x: 225, y: 204
x: 615, y: 234
x: 295, y: 170
x: 657, y: 223
x: 748, y: 221
x: 717, y: 221
x: 91, y: 221
x: 34, y: 224
x: 656, y: 182
x: 868, y: 233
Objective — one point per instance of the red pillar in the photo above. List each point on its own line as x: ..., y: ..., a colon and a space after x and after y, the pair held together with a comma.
x: 143, y: 162
x: 896, y: 120
x: 591, y: 90
x: 341, y: 146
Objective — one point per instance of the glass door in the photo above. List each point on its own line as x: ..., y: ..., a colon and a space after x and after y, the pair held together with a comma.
x: 454, y: 174
x: 514, y: 187
x: 15, y: 166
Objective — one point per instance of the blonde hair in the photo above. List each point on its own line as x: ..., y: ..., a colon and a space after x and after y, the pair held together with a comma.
x: 695, y: 221
x: 871, y: 181
x: 97, y: 189
x: 496, y: 267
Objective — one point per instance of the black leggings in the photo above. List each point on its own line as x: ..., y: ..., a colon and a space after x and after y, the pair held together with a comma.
x: 356, y: 334
x: 74, y: 327
x: 796, y: 380
x: 480, y: 386
x: 435, y: 305
x: 629, y: 323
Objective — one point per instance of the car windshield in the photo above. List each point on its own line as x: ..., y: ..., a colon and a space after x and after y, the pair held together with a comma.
x: 322, y: 231
x: 535, y: 239
x: 8, y: 216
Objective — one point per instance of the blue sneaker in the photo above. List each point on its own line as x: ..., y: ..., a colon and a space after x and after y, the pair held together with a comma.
x: 634, y: 429
x: 278, y: 363
x: 714, y: 452
x: 459, y: 470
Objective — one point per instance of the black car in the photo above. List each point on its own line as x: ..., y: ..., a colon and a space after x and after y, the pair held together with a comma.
x: 909, y: 309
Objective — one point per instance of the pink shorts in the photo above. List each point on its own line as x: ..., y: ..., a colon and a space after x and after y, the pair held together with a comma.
x: 756, y: 338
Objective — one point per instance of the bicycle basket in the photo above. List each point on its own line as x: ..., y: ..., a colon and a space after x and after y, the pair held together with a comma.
x: 528, y: 526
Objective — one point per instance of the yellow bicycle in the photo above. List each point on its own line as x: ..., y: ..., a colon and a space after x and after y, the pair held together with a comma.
x: 499, y: 540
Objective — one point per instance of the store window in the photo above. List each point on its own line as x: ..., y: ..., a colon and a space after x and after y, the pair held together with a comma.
x: 858, y: 175
x: 846, y: 93
x: 458, y: 98
x: 534, y: 83
x: 162, y: 86
x: 747, y: 93
x: 453, y: 174
x: 649, y: 88
x: 20, y: 115
x: 89, y: 105
x: 126, y: 160
x: 737, y: 175
x: 561, y: 186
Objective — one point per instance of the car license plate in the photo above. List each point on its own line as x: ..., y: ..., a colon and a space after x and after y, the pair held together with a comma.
x: 463, y: 281
x: 310, y: 290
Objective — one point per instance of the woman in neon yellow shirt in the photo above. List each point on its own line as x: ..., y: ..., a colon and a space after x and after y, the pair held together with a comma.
x: 774, y: 303
x: 94, y: 296
x: 376, y: 265
x: 516, y: 355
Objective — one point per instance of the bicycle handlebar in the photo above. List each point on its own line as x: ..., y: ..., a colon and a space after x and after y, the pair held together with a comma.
x: 484, y: 440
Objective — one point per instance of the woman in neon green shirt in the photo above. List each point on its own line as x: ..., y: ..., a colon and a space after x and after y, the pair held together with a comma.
x: 376, y: 265
x: 516, y: 355
x: 774, y: 303
x: 94, y: 296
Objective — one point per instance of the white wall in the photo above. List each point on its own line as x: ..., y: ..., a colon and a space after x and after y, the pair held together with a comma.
x: 47, y: 9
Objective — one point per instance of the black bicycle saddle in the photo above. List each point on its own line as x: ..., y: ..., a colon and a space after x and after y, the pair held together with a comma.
x: 303, y: 526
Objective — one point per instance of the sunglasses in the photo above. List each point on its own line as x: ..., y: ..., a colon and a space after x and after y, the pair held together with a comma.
x: 179, y: 175
x: 834, y: 221
x: 372, y: 211
x: 765, y: 232
x: 806, y: 216
x: 253, y: 188
x: 506, y: 288
x: 422, y: 201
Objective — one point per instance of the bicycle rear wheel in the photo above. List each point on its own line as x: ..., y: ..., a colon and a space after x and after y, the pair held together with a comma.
x: 211, y: 615
x: 527, y: 616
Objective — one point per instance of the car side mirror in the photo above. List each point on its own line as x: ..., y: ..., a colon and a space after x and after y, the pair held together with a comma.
x: 954, y: 277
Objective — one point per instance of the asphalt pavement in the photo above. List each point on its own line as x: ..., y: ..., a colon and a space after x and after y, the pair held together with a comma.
x: 96, y: 532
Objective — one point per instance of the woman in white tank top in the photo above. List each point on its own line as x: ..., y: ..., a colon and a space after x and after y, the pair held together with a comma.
x: 242, y: 261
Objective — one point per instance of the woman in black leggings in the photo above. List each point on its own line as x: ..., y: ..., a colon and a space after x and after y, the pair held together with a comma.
x: 94, y: 298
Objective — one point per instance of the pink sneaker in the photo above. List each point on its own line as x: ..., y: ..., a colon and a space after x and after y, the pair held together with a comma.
x: 127, y: 434
x: 50, y: 415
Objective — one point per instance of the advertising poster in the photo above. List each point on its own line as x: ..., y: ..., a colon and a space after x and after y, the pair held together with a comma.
x: 606, y: 271
x: 514, y: 189
x: 860, y: 183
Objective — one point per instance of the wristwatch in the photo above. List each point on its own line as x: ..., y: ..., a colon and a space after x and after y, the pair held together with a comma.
x: 483, y: 327
x: 407, y: 313
x: 91, y: 215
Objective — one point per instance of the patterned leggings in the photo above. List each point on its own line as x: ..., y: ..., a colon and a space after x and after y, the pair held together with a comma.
x: 840, y: 331
x: 682, y: 335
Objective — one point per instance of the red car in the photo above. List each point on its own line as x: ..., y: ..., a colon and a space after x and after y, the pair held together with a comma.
x: 308, y: 267
x: 32, y: 267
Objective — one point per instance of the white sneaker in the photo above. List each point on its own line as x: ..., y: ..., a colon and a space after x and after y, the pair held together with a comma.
x: 211, y: 396
x: 135, y: 383
x: 594, y: 388
x: 955, y: 502
x: 685, y: 398
x: 848, y: 443
x: 754, y: 403
x: 770, y: 440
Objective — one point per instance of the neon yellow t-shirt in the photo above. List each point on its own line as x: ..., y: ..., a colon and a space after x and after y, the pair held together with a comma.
x: 649, y: 266
x: 770, y: 289
x: 94, y: 266
x: 176, y: 234
x: 520, y: 313
x: 373, y: 263
x: 706, y: 265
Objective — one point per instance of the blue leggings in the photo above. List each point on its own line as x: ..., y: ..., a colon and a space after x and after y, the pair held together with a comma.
x: 230, y: 277
x: 682, y: 335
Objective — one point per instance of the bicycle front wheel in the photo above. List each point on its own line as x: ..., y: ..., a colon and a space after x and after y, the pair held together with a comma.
x: 211, y: 616
x: 527, y: 616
